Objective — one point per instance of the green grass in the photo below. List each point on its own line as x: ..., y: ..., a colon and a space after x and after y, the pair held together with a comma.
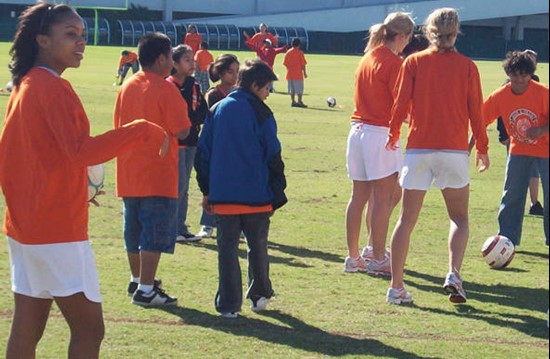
x: 319, y: 310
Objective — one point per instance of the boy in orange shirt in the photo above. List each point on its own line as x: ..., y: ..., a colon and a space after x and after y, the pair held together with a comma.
x: 295, y: 63
x: 149, y: 185
x: 203, y: 59
x: 128, y: 60
x: 523, y: 106
x: 192, y: 38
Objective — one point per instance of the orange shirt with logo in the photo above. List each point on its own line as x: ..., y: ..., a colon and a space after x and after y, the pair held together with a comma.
x: 131, y: 57
x: 375, y: 80
x: 140, y: 173
x: 294, y: 61
x: 519, y: 113
x: 194, y: 41
x: 45, y: 148
x: 443, y: 93
x: 203, y: 58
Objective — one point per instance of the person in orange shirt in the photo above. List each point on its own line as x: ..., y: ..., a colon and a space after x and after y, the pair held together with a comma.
x: 295, y: 63
x: 203, y: 58
x: 259, y: 37
x: 128, y: 60
x: 147, y: 184
x: 523, y: 106
x: 372, y: 169
x: 192, y: 38
x: 443, y: 89
x: 45, y: 148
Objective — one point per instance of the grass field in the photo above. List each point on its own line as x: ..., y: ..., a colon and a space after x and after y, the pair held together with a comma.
x: 319, y: 311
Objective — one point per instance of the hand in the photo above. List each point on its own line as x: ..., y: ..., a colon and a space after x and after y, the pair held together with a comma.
x: 165, y: 145
x: 246, y: 35
x: 505, y: 142
x: 535, y: 133
x: 207, y: 207
x: 94, y: 200
x: 391, y: 145
x: 485, y: 163
x: 305, y: 75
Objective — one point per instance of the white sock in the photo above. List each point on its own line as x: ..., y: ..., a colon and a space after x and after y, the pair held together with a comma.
x: 134, y: 279
x: 145, y: 288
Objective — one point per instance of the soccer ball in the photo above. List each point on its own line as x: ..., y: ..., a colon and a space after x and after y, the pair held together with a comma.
x: 331, y: 102
x: 498, y: 251
x: 96, y: 176
x: 9, y: 86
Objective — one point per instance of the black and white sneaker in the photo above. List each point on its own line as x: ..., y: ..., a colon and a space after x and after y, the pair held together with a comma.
x: 133, y: 286
x: 157, y: 298
x: 187, y: 237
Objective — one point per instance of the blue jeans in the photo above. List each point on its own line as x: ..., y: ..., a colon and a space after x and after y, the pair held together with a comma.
x: 208, y: 220
x: 516, y: 183
x: 229, y: 297
x: 185, y: 165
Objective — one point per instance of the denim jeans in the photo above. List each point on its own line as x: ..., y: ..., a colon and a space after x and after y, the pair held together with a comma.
x: 256, y: 228
x: 516, y: 183
x: 208, y: 220
x: 185, y: 165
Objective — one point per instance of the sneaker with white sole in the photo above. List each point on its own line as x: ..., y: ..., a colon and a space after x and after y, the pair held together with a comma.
x: 156, y: 298
x: 453, y: 287
x: 187, y: 237
x: 381, y: 268
x: 355, y: 265
x: 133, y: 286
x: 259, y: 304
x: 398, y: 296
x: 229, y: 315
x: 206, y: 232
x: 368, y: 253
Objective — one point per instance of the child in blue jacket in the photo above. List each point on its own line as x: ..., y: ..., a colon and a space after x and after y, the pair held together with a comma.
x: 241, y: 174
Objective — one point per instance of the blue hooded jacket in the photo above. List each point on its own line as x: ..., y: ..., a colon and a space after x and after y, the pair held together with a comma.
x: 239, y: 155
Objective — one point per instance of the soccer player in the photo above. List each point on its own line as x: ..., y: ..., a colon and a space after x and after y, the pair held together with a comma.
x: 193, y: 38
x: 128, y: 60
x: 203, y: 59
x: 295, y: 63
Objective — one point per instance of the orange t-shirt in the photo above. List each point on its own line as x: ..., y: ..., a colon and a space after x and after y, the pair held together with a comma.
x: 294, y: 61
x: 132, y: 56
x: 443, y: 93
x: 519, y: 113
x: 235, y: 209
x: 258, y: 38
x: 194, y: 41
x: 374, y: 84
x: 139, y: 172
x: 45, y: 148
x: 203, y: 58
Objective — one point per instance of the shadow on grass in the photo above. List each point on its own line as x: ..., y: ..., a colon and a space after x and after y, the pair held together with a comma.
x: 533, y: 254
x: 302, y: 252
x: 534, y: 299
x: 292, y: 333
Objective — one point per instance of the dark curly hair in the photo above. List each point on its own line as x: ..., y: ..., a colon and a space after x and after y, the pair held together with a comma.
x: 221, y: 65
x: 520, y: 62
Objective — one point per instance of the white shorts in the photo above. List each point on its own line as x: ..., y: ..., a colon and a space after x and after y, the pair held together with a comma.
x: 367, y: 157
x: 442, y: 169
x: 54, y: 270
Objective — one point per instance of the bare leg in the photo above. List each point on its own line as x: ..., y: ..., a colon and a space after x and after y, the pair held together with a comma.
x: 410, y: 210
x: 381, y: 210
x: 457, y: 207
x: 396, y: 197
x: 292, y: 96
x: 85, y: 319
x: 354, y: 214
x: 534, y: 190
x: 149, y: 264
x: 135, y: 264
x: 29, y: 320
x: 300, y: 98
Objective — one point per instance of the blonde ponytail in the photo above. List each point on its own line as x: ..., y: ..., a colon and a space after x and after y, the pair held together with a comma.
x: 394, y: 24
x: 441, y: 28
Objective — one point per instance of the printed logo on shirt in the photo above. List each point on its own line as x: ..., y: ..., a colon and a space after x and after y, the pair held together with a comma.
x: 520, y: 121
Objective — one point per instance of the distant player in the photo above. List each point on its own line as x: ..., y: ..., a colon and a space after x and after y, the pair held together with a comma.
x: 437, y: 145
x: 295, y: 63
x: 128, y: 60
x: 193, y: 38
x: 372, y: 169
x: 203, y: 59
x: 266, y: 52
x: 523, y: 106
x: 46, y: 134
x: 259, y: 37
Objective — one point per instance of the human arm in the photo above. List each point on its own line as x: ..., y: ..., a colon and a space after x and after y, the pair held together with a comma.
x: 534, y: 133
x: 305, y: 71
x: 475, y: 105
x: 275, y: 164
x: 402, y: 91
x: 202, y: 157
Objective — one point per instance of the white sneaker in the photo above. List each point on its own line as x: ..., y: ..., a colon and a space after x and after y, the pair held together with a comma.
x: 453, y: 287
x: 398, y: 296
x: 382, y: 268
x: 229, y: 315
x: 260, y: 304
x: 368, y: 253
x: 355, y: 265
x: 206, y: 232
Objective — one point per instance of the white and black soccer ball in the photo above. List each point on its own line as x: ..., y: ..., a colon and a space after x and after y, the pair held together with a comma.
x: 498, y: 251
x: 331, y: 102
x: 9, y: 86
x: 96, y: 177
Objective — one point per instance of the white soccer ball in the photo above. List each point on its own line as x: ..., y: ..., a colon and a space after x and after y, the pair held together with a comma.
x: 96, y: 176
x: 331, y: 102
x: 9, y: 86
x: 498, y: 251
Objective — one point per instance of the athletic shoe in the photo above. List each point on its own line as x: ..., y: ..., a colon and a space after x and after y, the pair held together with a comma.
x: 259, y: 304
x: 133, y: 286
x: 368, y: 253
x: 206, y: 232
x: 382, y: 268
x: 536, y: 209
x: 294, y: 104
x: 187, y: 237
x: 301, y: 105
x: 229, y: 315
x: 453, y: 287
x: 157, y: 298
x: 398, y: 296
x: 355, y: 265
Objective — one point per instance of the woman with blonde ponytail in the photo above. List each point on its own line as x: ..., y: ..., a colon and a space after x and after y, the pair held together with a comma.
x: 372, y: 169
x: 442, y: 89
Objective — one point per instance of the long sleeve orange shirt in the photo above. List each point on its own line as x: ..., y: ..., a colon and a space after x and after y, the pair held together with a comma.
x: 443, y: 93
